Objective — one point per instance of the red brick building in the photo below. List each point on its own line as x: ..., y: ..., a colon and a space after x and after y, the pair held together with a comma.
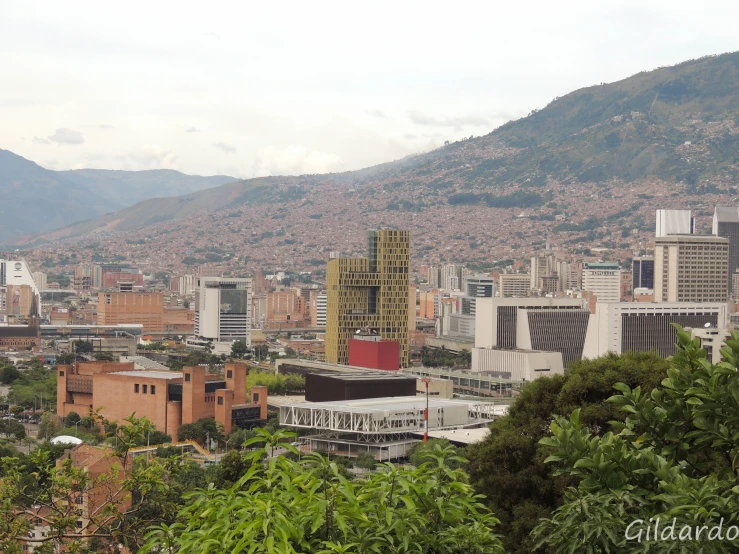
x: 168, y: 398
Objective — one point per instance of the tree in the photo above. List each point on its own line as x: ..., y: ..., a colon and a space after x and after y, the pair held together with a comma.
x: 239, y: 349
x: 65, y: 359
x: 47, y: 427
x: 82, y: 347
x: 72, y: 419
x: 38, y: 482
x: 508, y: 466
x: 293, y: 506
x: 365, y: 460
x: 9, y: 374
x: 673, y: 460
x: 11, y: 428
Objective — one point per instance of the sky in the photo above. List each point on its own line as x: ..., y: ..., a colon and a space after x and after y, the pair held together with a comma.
x: 273, y: 88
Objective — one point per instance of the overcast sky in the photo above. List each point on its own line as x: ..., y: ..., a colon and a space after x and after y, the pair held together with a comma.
x: 266, y: 88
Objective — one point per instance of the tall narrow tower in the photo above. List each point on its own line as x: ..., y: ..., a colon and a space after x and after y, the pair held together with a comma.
x: 370, y: 293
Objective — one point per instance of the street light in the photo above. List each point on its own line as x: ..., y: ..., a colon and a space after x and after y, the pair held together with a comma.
x: 426, y: 380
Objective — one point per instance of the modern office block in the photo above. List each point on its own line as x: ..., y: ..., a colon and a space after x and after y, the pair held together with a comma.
x: 603, y: 280
x: 223, y: 309
x: 369, y: 293
x: 514, y: 285
x: 643, y: 327
x: 642, y: 273
x: 691, y: 268
x: 674, y: 222
x: 545, y: 324
x: 726, y: 224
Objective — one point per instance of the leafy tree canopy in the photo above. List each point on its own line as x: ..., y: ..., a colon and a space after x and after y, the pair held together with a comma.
x: 675, y: 456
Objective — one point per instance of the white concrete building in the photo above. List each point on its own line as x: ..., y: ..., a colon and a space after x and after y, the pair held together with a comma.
x: 223, y: 309
x: 603, y: 280
x: 517, y: 365
x: 674, y: 222
x: 641, y: 326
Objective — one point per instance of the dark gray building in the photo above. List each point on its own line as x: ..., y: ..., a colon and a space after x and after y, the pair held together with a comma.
x: 726, y: 224
x: 642, y: 270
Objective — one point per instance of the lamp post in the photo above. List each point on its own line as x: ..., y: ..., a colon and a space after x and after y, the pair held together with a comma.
x: 426, y: 380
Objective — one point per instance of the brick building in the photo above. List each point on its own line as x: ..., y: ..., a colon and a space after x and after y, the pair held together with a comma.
x: 20, y: 337
x: 146, y: 308
x: 168, y: 398
x: 286, y: 309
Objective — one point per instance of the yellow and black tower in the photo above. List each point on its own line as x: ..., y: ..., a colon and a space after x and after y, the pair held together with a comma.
x: 369, y: 293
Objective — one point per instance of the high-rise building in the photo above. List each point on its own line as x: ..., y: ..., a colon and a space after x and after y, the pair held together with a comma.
x: 642, y: 273
x: 603, y: 279
x: 223, y: 309
x: 643, y: 327
x: 545, y: 324
x: 318, y: 309
x: 147, y: 308
x: 41, y: 279
x: 286, y: 309
x: 186, y: 284
x: 514, y: 285
x: 543, y: 265
x: 476, y: 286
x: 369, y: 293
x: 450, y: 276
x: 726, y: 224
x: 691, y: 268
x: 674, y: 222
x: 432, y: 277
x: 19, y: 293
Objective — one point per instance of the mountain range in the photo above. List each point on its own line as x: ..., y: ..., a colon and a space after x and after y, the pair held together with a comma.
x: 37, y: 200
x: 590, y: 166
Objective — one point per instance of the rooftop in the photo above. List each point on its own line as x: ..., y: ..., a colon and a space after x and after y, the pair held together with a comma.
x: 396, y: 403
x: 463, y: 436
x: 168, y: 375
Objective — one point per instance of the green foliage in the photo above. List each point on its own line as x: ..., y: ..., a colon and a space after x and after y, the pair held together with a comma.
x: 12, y: 429
x: 286, y: 506
x: 675, y: 456
x: 508, y: 466
x: 365, y: 460
x: 200, y: 430
x: 441, y: 357
x: 276, y: 383
x: 239, y: 349
x: 71, y: 419
x: 82, y: 347
x: 419, y: 452
x: 33, y: 384
x: 9, y: 374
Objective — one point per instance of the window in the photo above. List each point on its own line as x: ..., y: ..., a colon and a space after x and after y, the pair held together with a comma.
x: 187, y: 376
x: 255, y: 396
x: 136, y: 388
x: 229, y: 374
x: 61, y: 374
x: 78, y: 500
x: 220, y: 401
x: 153, y: 389
x: 145, y: 387
x: 79, y: 525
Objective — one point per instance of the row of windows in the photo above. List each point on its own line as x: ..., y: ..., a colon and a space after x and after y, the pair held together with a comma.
x: 144, y: 388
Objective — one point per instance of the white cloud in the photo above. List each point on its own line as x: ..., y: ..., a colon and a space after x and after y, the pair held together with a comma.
x: 294, y: 160
x: 149, y: 156
x: 40, y: 140
x: 192, y: 130
x: 67, y: 136
x: 227, y: 148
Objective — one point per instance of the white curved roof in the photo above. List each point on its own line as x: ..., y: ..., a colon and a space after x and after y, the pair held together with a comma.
x: 66, y: 439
